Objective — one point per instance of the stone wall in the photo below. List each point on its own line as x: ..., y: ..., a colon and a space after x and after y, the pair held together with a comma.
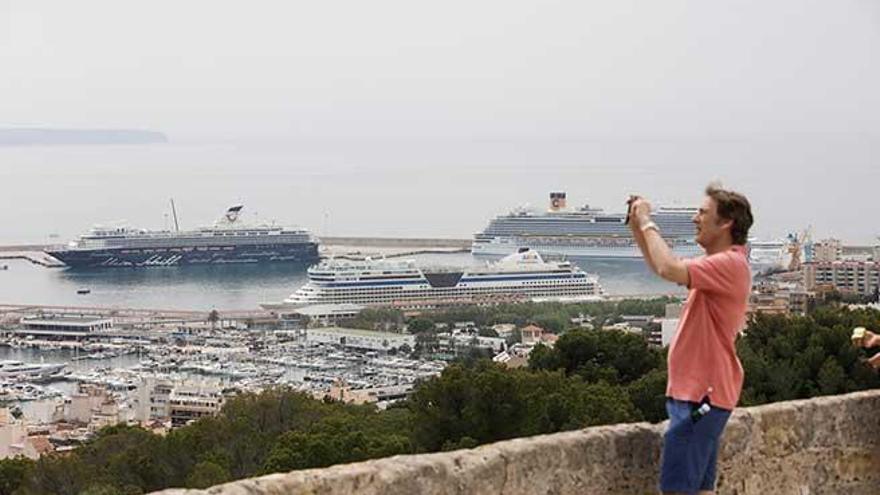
x: 824, y: 445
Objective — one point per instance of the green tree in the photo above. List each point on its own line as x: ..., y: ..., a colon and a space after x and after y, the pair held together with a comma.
x: 13, y: 471
x: 798, y: 357
x: 487, y: 403
x: 648, y: 395
x: 349, y: 435
x: 600, y: 355
x: 420, y: 325
x: 58, y: 475
x: 831, y: 378
x: 206, y: 474
x: 544, y: 358
x: 554, y: 322
x: 487, y: 332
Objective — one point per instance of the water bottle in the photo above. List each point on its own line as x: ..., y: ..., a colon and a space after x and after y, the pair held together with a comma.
x: 703, y: 408
x: 701, y: 411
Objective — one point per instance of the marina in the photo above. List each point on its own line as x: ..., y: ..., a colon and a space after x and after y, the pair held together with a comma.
x: 199, y: 356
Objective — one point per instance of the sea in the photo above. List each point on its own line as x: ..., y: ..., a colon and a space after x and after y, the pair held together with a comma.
x: 242, y: 287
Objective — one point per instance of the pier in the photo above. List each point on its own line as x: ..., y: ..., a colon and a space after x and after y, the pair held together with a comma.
x: 32, y: 253
x: 133, y: 313
x: 35, y: 257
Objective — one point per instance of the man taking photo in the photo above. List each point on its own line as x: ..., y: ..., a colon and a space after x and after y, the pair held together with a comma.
x: 705, y: 375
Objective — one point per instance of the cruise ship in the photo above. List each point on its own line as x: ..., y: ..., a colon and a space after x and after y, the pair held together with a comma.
x: 519, y: 277
x: 582, y: 232
x: 21, y: 370
x: 227, y: 241
x: 768, y: 256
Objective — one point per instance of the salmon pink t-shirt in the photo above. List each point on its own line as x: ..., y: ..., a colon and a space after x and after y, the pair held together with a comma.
x: 702, y: 355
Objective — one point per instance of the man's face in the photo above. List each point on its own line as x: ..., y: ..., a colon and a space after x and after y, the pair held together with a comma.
x: 710, y: 227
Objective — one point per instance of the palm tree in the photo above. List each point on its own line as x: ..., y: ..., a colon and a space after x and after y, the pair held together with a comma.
x: 213, y: 318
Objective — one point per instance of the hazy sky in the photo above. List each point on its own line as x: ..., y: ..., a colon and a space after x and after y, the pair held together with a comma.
x: 474, y: 69
x: 455, y: 109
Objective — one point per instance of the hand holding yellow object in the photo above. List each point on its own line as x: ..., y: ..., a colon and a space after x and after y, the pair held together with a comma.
x: 862, y: 337
x: 858, y: 336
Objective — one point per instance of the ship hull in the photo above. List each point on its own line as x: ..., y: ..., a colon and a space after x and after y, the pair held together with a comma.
x: 203, y: 255
x: 629, y: 251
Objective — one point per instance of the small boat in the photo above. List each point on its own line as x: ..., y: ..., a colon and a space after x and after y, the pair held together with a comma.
x: 83, y: 291
x: 4, y: 267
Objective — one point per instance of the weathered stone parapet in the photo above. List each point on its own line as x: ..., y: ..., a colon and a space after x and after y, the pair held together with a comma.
x: 823, y: 445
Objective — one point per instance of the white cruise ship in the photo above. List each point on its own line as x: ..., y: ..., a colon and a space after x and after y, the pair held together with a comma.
x: 582, y: 232
x: 520, y: 277
x: 22, y: 370
x: 771, y: 255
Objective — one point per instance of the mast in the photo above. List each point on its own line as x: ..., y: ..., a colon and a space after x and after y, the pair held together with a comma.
x: 174, y: 213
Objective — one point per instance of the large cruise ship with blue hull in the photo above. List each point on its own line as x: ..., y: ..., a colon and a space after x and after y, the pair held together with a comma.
x: 582, y: 232
x: 228, y: 241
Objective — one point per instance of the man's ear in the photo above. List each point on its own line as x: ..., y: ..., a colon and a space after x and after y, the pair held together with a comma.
x: 727, y: 224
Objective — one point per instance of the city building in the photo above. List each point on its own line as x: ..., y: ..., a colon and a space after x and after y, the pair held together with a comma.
x: 624, y: 326
x: 826, y: 251
x: 516, y: 356
x: 79, y: 407
x: 457, y: 342
x: 662, y: 336
x: 504, y: 330
x: 63, y: 326
x: 189, y: 403
x: 531, y: 334
x: 360, y: 339
x: 343, y: 392
x: 325, y: 314
x: 782, y: 298
x: 14, y: 440
x: 853, y: 277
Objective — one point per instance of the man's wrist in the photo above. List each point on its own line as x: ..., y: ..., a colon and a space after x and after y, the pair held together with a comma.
x: 649, y: 225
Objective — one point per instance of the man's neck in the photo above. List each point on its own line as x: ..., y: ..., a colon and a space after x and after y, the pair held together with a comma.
x: 719, y: 247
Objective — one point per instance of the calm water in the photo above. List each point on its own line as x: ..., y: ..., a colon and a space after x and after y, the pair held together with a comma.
x: 238, y: 287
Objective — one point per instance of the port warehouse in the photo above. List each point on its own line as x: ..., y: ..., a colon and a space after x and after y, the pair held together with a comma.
x: 73, y: 330
x: 360, y: 339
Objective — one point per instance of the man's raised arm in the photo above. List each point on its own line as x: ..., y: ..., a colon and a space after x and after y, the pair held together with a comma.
x: 657, y: 253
